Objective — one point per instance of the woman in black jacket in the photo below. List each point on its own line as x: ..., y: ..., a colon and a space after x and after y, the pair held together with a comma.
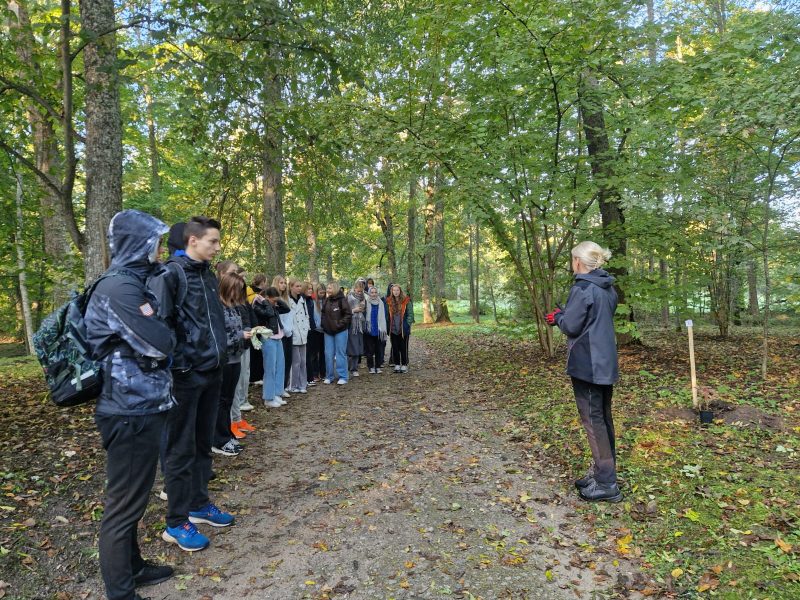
x: 588, y: 322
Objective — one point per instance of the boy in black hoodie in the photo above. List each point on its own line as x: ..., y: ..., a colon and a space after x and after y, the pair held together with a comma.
x: 189, y: 300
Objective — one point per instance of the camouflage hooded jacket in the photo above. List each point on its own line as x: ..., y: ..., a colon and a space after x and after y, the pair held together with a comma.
x: 123, y: 324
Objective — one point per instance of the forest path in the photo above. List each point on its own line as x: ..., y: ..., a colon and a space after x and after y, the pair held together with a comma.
x: 393, y: 486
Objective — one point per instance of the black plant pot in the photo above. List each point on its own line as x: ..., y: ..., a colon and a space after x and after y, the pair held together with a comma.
x: 706, y: 416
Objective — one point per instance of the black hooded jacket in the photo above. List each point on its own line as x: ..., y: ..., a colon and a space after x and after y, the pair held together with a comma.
x: 123, y: 325
x: 188, y: 299
x: 588, y: 322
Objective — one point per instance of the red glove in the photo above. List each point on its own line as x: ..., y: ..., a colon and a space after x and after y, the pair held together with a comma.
x: 551, y: 317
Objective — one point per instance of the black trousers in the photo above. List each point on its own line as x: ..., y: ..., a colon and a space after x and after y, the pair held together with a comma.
x: 399, y: 349
x: 287, y: 359
x: 230, y: 377
x: 256, y: 365
x: 372, y: 350
x: 594, y: 408
x: 315, y: 355
x: 131, y: 445
x: 190, y: 430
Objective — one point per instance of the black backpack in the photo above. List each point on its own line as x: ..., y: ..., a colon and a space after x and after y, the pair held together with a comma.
x: 60, y: 343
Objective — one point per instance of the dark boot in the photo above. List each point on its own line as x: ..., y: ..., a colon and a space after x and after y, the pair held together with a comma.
x: 601, y: 492
x: 586, y: 479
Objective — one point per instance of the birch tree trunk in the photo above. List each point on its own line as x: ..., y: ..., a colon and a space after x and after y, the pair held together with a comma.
x: 103, y: 154
x: 23, y: 270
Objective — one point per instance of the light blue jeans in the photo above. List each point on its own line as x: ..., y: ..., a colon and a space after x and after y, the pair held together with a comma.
x: 272, y: 351
x: 336, y: 347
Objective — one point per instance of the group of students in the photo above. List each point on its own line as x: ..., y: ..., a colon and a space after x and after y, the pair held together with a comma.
x: 304, y: 336
x: 175, y: 342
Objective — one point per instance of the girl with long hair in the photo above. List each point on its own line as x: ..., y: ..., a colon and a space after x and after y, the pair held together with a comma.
x: 401, y: 317
x: 287, y: 323
x: 299, y: 374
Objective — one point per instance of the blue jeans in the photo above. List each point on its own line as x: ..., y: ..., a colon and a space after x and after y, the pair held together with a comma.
x: 272, y: 351
x: 336, y: 346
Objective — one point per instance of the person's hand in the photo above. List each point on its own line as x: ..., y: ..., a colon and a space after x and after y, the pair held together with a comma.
x: 551, y: 317
x: 247, y: 334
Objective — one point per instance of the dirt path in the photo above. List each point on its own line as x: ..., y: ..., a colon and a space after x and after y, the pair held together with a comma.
x: 394, y: 486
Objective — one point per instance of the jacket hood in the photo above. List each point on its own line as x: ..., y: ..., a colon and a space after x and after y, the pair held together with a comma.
x: 133, y: 238
x: 599, y: 277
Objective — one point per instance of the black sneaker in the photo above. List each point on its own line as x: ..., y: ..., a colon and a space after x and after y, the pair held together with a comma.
x: 600, y: 492
x: 230, y: 448
x: 151, y: 574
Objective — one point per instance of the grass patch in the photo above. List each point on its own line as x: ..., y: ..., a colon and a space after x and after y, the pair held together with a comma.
x: 711, y: 511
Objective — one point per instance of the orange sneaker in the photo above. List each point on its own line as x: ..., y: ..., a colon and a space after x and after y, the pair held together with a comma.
x: 245, y: 426
x: 236, y: 431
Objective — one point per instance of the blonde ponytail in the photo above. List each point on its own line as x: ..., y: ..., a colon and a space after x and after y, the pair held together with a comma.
x: 591, y: 255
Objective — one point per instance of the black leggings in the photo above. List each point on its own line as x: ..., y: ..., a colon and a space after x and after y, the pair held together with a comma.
x: 372, y: 348
x: 222, y: 430
x: 400, y: 349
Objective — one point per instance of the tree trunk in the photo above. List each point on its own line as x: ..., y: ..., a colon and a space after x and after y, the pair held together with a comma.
x: 471, y: 252
x: 152, y: 142
x: 384, y: 218
x: 54, y: 226
x: 411, y: 247
x: 311, y: 238
x: 329, y: 266
x: 427, y: 259
x: 103, y: 155
x: 23, y: 271
x: 440, y: 305
x: 602, y: 160
x: 477, y: 316
x: 752, y: 288
x: 664, y: 275
x: 275, y: 233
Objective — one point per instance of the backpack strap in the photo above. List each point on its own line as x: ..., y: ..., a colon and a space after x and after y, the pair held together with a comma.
x: 183, y: 283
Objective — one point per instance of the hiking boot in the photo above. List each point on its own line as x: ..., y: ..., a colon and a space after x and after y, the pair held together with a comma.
x: 272, y: 403
x: 211, y: 515
x: 151, y: 574
x: 245, y: 426
x: 231, y: 448
x: 237, y: 431
x: 586, y: 479
x: 600, y: 492
x: 246, y: 406
x: 186, y: 536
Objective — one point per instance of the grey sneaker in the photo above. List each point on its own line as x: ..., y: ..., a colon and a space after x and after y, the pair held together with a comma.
x: 231, y: 448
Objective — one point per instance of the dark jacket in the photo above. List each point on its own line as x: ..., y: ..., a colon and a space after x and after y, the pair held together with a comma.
x: 336, y: 314
x: 588, y: 322
x: 123, y: 325
x: 188, y: 299
x: 268, y: 315
x: 234, y: 340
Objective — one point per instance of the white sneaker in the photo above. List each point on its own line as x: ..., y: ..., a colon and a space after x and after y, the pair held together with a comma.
x: 327, y: 381
x: 397, y: 369
x: 354, y: 373
x: 294, y: 391
x: 302, y: 391
x: 372, y: 371
x: 280, y: 401
x: 404, y: 369
x: 259, y: 382
x: 341, y: 381
x: 246, y: 406
x: 272, y: 404
x: 163, y: 495
x: 378, y: 370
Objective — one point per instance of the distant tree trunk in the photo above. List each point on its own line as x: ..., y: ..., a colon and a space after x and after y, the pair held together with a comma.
x: 384, y: 218
x: 22, y: 267
x: 442, y: 314
x: 427, y: 259
x: 752, y: 288
x: 477, y: 316
x: 103, y: 155
x: 329, y: 267
x: 47, y: 160
x: 411, y: 248
x: 152, y: 142
x: 311, y: 238
x: 664, y: 276
x: 602, y: 160
x: 272, y: 171
x: 471, y: 253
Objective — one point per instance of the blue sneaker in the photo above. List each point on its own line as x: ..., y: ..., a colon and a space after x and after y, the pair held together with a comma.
x: 186, y: 536
x: 211, y: 515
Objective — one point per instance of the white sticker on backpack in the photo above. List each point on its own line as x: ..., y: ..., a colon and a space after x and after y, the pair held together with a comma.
x: 147, y: 310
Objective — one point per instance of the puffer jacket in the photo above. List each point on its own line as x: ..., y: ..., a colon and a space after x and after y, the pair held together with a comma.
x: 302, y: 322
x: 336, y: 314
x: 188, y: 299
x: 268, y: 315
x: 588, y: 322
x: 124, y: 329
x: 233, y: 333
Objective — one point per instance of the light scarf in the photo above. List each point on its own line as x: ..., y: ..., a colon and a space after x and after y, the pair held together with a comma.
x: 381, y: 316
x: 359, y: 319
